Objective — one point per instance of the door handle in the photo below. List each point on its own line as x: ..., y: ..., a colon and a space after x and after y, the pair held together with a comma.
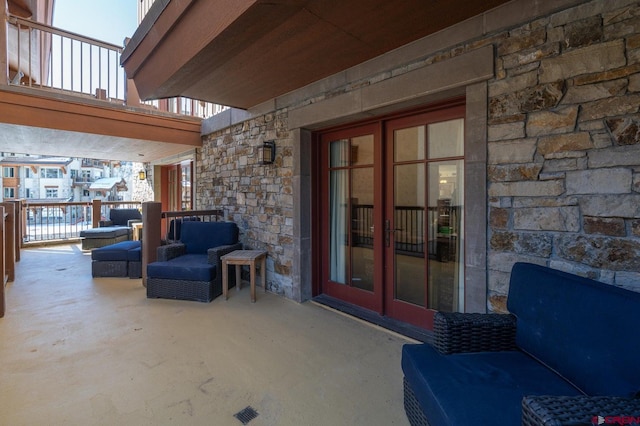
x: 388, y: 230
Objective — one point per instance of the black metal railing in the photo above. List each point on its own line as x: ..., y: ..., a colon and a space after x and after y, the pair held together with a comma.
x: 411, y: 229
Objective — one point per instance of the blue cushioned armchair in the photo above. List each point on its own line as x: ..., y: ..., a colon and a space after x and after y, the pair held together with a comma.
x: 191, y: 269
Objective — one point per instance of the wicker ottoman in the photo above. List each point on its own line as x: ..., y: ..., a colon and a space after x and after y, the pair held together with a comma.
x: 122, y: 259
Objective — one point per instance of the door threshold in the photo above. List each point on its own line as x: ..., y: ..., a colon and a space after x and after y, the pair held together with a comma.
x: 407, y: 330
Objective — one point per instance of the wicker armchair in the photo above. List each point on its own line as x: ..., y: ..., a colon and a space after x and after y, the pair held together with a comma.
x: 192, y: 269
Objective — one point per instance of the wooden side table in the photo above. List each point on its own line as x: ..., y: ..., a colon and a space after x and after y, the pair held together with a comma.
x: 244, y: 257
x: 136, y: 231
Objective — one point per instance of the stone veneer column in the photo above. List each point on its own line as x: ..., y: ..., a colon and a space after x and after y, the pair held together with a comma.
x: 475, y: 202
x: 301, y: 265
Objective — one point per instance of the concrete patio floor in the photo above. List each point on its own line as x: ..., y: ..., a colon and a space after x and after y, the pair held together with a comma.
x: 82, y: 351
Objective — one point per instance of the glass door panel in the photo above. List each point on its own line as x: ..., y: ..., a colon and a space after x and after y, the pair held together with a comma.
x: 424, y: 216
x: 338, y: 238
x: 173, y: 188
x: 350, y: 218
x: 409, y: 254
x: 445, y: 260
x: 185, y: 187
x: 362, y: 229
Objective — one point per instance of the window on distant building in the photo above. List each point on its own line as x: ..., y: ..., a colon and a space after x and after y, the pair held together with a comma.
x: 52, y: 193
x: 8, y: 172
x: 9, y: 193
x: 27, y: 172
x: 51, y: 173
x: 85, y: 193
x: 29, y: 194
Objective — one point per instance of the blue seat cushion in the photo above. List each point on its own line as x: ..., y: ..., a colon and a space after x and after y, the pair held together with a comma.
x: 106, y: 232
x: 481, y: 388
x: 134, y: 254
x: 124, y: 250
x: 198, y: 237
x: 190, y: 267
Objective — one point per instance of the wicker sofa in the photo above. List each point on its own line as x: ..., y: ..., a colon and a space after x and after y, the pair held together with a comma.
x: 566, y: 354
x: 114, y: 230
x: 191, y: 269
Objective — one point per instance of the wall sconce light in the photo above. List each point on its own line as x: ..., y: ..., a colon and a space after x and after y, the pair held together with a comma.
x: 142, y: 175
x: 267, y: 152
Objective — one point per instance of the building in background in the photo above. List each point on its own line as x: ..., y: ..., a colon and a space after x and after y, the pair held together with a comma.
x: 60, y: 179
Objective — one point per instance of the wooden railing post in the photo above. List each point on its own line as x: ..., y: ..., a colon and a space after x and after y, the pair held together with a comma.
x: 4, y: 43
x: 151, y: 234
x: 3, y: 276
x: 9, y: 240
x: 96, y: 212
x: 24, y: 220
x: 17, y: 206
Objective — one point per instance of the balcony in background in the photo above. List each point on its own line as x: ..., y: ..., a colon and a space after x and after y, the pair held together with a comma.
x: 48, y: 58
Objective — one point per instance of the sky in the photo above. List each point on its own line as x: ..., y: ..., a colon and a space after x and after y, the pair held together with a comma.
x: 105, y: 20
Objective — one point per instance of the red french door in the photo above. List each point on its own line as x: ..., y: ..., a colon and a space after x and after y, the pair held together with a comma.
x: 392, y: 215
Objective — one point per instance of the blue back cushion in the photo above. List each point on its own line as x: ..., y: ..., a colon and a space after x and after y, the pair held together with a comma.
x: 198, y: 237
x: 587, y: 331
x: 120, y: 217
x: 176, y: 225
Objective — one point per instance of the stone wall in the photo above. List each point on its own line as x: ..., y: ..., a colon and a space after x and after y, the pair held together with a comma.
x: 257, y: 197
x: 564, y: 146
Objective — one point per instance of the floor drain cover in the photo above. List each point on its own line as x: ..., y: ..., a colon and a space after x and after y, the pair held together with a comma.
x: 246, y: 415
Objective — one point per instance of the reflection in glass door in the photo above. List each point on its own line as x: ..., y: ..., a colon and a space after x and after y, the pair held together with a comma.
x: 185, y: 186
x: 424, y: 217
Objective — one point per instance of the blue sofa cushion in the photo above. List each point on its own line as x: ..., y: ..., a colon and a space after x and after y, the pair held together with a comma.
x: 198, y: 237
x: 481, y: 388
x: 124, y: 250
x: 121, y: 217
x: 108, y: 232
x: 191, y: 267
x: 584, y: 329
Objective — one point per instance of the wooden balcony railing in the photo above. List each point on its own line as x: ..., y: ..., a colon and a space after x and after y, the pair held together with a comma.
x: 9, y: 249
x: 48, y: 58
